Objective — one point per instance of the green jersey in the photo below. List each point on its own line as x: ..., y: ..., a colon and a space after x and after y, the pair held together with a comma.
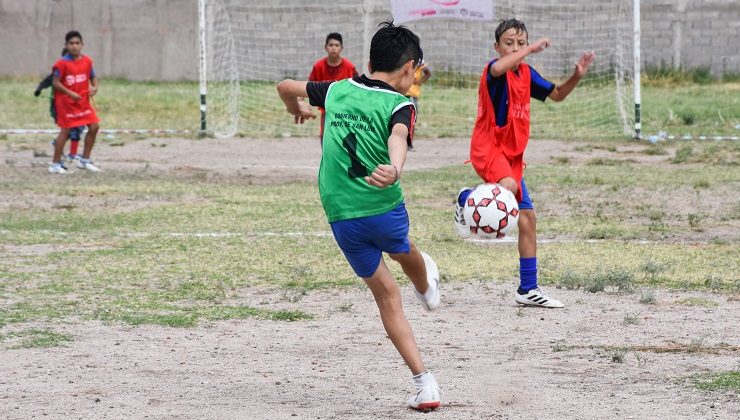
x: 355, y: 142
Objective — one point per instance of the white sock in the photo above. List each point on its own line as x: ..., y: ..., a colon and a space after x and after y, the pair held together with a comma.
x: 423, y: 379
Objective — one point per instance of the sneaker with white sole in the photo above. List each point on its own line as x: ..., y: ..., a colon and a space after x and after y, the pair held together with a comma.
x: 427, y: 395
x: 87, y: 165
x: 57, y: 168
x: 537, y: 297
x: 461, y: 228
x: 430, y: 299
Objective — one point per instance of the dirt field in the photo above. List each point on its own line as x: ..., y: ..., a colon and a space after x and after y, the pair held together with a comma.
x: 602, y: 356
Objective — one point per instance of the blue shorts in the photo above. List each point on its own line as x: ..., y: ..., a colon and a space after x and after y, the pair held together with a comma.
x: 363, y: 240
x: 526, y: 202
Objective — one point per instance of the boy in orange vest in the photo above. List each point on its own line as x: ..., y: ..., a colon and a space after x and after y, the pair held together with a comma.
x: 501, y: 134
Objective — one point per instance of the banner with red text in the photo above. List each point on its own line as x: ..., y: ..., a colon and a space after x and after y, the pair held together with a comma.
x: 408, y: 10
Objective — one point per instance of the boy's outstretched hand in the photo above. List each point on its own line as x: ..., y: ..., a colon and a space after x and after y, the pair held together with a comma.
x: 383, y: 176
x: 304, y: 113
x: 540, y: 45
x: 583, y: 63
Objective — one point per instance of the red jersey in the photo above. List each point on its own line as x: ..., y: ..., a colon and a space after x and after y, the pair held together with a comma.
x: 75, y: 76
x: 498, y: 152
x: 323, y: 72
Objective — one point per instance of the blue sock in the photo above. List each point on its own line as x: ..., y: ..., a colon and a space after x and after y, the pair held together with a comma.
x: 527, y: 274
x: 463, y: 196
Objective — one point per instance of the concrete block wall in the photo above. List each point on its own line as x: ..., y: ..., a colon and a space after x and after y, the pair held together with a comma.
x: 689, y: 34
x: 134, y: 39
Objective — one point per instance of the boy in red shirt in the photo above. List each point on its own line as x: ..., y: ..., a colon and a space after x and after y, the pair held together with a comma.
x: 501, y: 134
x: 332, y: 67
x: 75, y: 133
x: 74, y: 84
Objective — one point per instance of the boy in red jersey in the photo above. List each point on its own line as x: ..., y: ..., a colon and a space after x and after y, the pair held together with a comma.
x: 74, y: 84
x: 332, y: 67
x: 501, y: 134
x: 75, y: 133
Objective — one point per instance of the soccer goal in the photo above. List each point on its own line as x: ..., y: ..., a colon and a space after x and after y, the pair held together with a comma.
x: 246, y: 47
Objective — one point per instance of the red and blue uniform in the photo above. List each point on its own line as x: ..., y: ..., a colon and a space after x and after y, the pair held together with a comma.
x: 75, y: 75
x: 501, y: 131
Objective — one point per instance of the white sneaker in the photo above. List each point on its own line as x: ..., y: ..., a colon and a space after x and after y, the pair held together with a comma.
x: 87, y: 165
x: 430, y: 299
x: 57, y: 168
x: 427, y: 395
x: 461, y: 228
x: 537, y: 297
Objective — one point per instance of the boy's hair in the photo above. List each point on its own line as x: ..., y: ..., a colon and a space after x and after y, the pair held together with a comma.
x: 72, y: 34
x: 392, y: 46
x: 507, y: 24
x: 335, y: 36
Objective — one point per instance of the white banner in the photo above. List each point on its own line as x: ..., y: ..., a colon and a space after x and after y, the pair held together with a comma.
x: 408, y: 10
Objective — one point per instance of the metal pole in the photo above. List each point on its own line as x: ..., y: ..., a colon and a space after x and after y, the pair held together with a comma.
x: 636, y: 58
x: 202, y: 63
x: 366, y: 35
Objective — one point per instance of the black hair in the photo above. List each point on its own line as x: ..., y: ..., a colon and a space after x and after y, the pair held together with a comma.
x: 72, y: 34
x: 334, y: 35
x: 507, y: 24
x: 65, y: 51
x: 392, y: 46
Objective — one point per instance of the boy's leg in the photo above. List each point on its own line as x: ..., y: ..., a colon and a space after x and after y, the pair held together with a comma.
x: 92, y: 132
x: 388, y: 298
x: 423, y: 273
x: 59, y: 145
x: 528, y: 292
x: 74, y: 138
x: 413, y: 266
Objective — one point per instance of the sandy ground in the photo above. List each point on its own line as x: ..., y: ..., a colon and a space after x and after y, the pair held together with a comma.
x: 492, y: 358
x: 265, y: 160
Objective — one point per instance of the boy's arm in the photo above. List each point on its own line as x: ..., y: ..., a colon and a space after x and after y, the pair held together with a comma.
x: 44, y: 84
x: 504, y: 64
x: 291, y: 92
x: 94, y: 86
x: 385, y: 175
x: 425, y: 75
x: 93, y: 82
x: 563, y: 90
x: 56, y: 82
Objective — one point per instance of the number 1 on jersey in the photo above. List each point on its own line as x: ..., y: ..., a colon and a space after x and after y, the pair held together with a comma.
x: 357, y: 169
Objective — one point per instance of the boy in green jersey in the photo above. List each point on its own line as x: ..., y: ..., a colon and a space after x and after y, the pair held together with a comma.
x: 368, y: 122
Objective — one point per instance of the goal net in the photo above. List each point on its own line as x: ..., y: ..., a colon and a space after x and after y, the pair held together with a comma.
x: 250, y: 46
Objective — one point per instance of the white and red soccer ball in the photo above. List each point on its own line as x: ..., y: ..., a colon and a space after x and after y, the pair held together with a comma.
x: 491, y: 211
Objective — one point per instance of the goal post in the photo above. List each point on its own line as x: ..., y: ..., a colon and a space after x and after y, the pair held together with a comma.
x: 247, y: 47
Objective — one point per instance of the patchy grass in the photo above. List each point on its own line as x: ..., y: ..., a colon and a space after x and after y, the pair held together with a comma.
x: 693, y: 106
x: 647, y: 297
x: 696, y: 301
x: 723, y: 381
x: 33, y: 338
x: 178, y: 250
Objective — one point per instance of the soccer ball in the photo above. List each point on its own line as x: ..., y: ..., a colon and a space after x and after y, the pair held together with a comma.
x: 491, y: 211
